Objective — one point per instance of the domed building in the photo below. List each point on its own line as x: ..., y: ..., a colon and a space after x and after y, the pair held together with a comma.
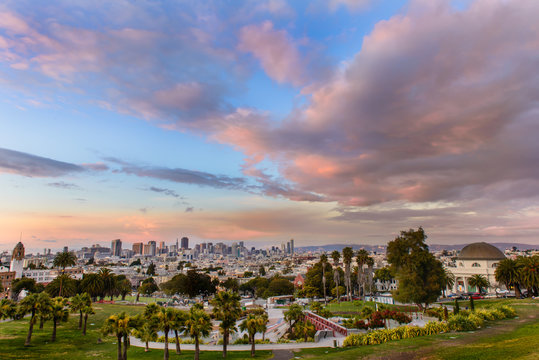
x: 476, y: 259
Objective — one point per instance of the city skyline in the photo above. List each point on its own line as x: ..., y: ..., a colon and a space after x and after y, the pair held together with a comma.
x: 262, y: 121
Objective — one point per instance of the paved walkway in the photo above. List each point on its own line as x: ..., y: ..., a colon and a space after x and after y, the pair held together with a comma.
x: 282, y: 355
x: 328, y: 342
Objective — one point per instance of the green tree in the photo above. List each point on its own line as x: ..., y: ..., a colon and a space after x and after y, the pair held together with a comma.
x: 262, y: 270
x: 151, y: 269
x: 448, y: 280
x: 384, y: 276
x: 124, y: 287
x: 119, y: 325
x: 529, y: 273
x: 76, y: 304
x: 323, y: 262
x: 197, y: 325
x: 227, y: 309
x: 304, y: 329
x: 148, y: 286
x: 63, y: 285
x: 109, y: 282
x: 419, y: 273
x: 146, y: 332
x: 336, y: 256
x: 279, y: 286
x: 231, y: 284
x: 347, y: 255
x: 508, y: 273
x: 87, y: 310
x: 21, y: 284
x: 63, y: 260
x: 479, y: 282
x: 59, y: 313
x: 32, y: 304
x: 253, y: 324
x: 293, y: 315
x: 178, y: 326
x: 93, y: 284
x: 8, y: 309
x: 362, y: 257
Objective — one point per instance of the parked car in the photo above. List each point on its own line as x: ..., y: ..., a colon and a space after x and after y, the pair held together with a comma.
x: 455, y: 296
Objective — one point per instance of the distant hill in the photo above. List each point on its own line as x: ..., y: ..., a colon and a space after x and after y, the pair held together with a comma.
x: 432, y: 247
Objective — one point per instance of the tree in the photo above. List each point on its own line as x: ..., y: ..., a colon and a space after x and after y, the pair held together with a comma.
x: 151, y: 269
x: 63, y: 285
x: 227, y: 309
x: 21, y: 284
x: 197, y: 324
x: 148, y: 286
x: 279, y: 286
x: 419, y: 273
x: 59, y: 313
x: 63, y: 260
x: 178, y: 326
x: 347, y: 255
x: 324, y: 261
x: 384, y: 275
x: 529, y: 273
x: 8, y: 309
x: 136, y: 263
x: 93, y: 285
x: 305, y: 330
x: 87, y: 310
x: 336, y: 256
x: 362, y: 258
x: 448, y: 280
x: 253, y: 324
x: 124, y: 287
x: 146, y: 332
x: 109, y: 282
x: 192, y: 284
x: 293, y: 315
x: 231, y: 284
x: 76, y: 304
x: 478, y: 281
x: 262, y: 270
x: 120, y: 326
x: 32, y: 304
x: 508, y: 273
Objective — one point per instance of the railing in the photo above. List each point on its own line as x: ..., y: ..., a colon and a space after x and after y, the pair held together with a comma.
x: 321, y: 323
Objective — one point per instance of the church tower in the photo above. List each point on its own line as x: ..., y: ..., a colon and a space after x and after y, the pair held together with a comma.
x: 17, y: 260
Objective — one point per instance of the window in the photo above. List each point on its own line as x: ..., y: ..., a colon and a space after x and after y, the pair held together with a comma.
x: 495, y: 265
x: 476, y: 265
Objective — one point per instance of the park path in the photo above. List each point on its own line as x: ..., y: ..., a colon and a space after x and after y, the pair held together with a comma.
x: 283, y: 354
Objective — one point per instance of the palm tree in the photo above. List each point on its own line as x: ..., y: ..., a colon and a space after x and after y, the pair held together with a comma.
x: 87, y: 310
x: 44, y: 311
x: 478, y: 281
x: 59, y: 313
x: 63, y: 260
x: 147, y: 331
x: 76, y: 303
x: 324, y: 261
x: 294, y: 313
x: 252, y: 325
x: 197, y: 324
x: 508, y: 273
x: 178, y: 325
x: 8, y: 309
x: 120, y: 326
x: 305, y: 329
x: 124, y: 288
x: 227, y: 309
x: 32, y: 304
x: 336, y: 256
x: 109, y: 282
x: 529, y: 273
x: 347, y: 255
x: 448, y: 280
x: 93, y: 285
x: 361, y: 259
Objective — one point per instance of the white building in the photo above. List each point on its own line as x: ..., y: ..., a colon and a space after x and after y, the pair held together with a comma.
x: 476, y: 259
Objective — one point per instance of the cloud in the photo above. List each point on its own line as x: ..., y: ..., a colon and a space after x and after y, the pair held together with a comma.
x: 438, y: 105
x: 352, y: 5
x: 189, y: 209
x: 20, y: 163
x: 275, y: 50
x: 167, y: 192
x: 99, y: 166
x: 64, y: 185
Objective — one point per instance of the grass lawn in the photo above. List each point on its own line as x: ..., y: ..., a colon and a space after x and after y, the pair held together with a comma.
x: 70, y: 344
x: 505, y: 339
x: 349, y: 306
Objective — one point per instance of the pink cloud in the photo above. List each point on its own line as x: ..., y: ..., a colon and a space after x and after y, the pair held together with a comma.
x: 276, y: 52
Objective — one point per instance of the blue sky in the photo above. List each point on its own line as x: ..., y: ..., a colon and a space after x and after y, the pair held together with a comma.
x: 327, y: 121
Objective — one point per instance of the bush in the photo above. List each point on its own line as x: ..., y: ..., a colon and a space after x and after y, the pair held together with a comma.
x: 435, y: 327
x: 477, y: 320
x: 461, y: 323
x: 172, y: 339
x: 508, y: 311
x: 436, y: 312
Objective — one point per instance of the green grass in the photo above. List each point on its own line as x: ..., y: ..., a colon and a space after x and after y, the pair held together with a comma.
x: 142, y: 299
x: 70, y: 343
x: 349, y: 306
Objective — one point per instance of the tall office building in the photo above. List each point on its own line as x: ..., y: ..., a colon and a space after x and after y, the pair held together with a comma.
x: 288, y: 247
x: 137, y: 248
x: 116, y: 247
x: 185, y: 243
x: 153, y: 248
x: 234, y: 249
x: 291, y: 246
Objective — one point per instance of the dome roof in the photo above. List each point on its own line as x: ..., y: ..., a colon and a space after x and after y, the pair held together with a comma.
x: 480, y: 251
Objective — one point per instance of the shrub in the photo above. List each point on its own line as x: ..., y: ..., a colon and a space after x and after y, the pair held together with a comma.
x: 477, y: 320
x: 508, y: 311
x: 412, y: 332
x: 435, y: 327
x: 461, y: 323
x: 353, y: 340
x: 436, y: 312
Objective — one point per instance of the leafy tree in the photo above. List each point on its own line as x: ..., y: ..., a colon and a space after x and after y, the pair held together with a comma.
x: 529, y: 273
x: 21, y: 284
x: 63, y: 285
x: 59, y: 313
x: 248, y: 274
x: 192, y: 284
x: 151, y: 269
x: 63, y: 260
x: 87, y: 310
x: 231, y: 284
x: 305, y: 330
x: 124, y: 287
x: 479, y: 282
x: 197, y: 325
x: 323, y: 262
x: 261, y: 270
x: 93, y: 284
x: 279, y: 286
x: 293, y: 315
x: 148, y: 286
x: 32, y: 304
x: 256, y: 286
x: 136, y: 263
x: 76, y: 304
x: 227, y: 309
x: 383, y: 275
x: 362, y: 258
x: 253, y: 324
x: 109, y: 282
x: 178, y: 326
x: 336, y: 256
x: 308, y: 292
x: 119, y: 325
x: 8, y: 309
x: 508, y: 273
x: 419, y: 273
x: 146, y: 332
x: 347, y: 255
x: 448, y: 280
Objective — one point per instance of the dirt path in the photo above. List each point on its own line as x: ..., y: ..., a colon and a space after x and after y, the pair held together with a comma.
x: 504, y: 326
x: 283, y: 354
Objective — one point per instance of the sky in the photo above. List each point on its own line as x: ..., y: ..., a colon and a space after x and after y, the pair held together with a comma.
x: 339, y: 121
